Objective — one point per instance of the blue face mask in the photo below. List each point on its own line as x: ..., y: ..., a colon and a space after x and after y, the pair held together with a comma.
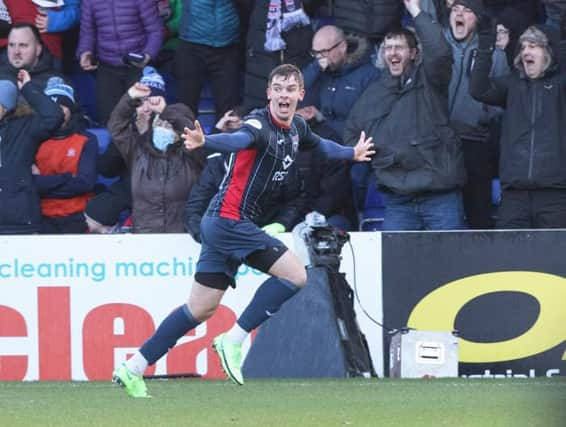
x: 163, y: 137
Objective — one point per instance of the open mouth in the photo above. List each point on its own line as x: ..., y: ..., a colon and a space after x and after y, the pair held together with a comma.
x: 460, y: 24
x: 284, y: 105
x: 395, y: 62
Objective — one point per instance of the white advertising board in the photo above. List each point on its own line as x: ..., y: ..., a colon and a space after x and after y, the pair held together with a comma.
x: 72, y: 307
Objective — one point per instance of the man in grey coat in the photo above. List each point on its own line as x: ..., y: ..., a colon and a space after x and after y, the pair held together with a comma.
x: 476, y: 123
x: 418, y: 162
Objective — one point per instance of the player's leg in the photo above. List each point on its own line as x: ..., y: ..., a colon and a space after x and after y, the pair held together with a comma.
x: 288, y: 276
x: 206, y: 293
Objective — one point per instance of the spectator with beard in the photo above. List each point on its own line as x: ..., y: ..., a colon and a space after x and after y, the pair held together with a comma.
x: 26, y: 52
x: 418, y: 162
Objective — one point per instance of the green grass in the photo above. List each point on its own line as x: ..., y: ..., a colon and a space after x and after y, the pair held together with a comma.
x: 382, y: 402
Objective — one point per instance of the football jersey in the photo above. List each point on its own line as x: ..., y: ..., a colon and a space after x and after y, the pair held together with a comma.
x: 261, y: 168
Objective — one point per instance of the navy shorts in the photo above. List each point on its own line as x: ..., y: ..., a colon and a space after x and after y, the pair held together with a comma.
x: 227, y: 243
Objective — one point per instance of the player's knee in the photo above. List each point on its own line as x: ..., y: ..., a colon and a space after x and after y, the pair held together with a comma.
x: 298, y: 278
x: 201, y: 310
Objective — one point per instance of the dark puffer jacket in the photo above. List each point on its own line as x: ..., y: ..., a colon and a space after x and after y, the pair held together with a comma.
x: 369, y: 18
x: 407, y: 116
x: 112, y: 28
x: 161, y: 181
x: 20, y: 211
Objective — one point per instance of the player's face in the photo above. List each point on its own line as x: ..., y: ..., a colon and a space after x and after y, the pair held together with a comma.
x: 284, y: 93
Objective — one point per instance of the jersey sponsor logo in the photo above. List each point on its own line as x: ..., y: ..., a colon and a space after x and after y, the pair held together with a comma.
x: 287, y: 161
x: 254, y: 123
x: 282, y: 174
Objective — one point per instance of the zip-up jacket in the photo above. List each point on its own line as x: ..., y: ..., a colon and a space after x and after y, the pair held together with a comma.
x: 470, y: 118
x: 20, y: 211
x: 533, y: 144
x: 407, y: 116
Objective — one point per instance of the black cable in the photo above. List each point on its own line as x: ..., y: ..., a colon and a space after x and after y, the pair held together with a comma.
x: 382, y: 325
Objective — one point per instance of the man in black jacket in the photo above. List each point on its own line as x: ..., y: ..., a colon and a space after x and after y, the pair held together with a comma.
x: 418, y: 162
x: 533, y: 151
x: 20, y: 211
x: 25, y: 51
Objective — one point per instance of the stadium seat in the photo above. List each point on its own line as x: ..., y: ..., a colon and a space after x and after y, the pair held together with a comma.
x: 374, y: 210
x: 85, y: 91
x: 103, y: 138
x: 495, y: 197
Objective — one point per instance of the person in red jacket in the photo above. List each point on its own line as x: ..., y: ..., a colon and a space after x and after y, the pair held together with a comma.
x: 65, y: 167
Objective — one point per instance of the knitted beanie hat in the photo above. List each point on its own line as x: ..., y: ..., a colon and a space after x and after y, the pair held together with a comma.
x: 475, y: 6
x: 60, y: 92
x: 8, y: 94
x: 154, y: 81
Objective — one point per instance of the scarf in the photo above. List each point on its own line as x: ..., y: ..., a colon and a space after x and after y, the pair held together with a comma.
x: 4, y: 15
x: 281, y: 18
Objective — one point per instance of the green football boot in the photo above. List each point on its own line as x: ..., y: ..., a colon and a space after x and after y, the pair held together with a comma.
x: 134, y: 384
x: 231, y: 357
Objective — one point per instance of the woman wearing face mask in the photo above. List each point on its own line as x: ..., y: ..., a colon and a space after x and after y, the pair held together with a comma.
x: 162, y: 170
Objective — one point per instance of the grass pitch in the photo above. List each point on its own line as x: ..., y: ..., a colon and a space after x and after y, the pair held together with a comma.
x: 309, y: 403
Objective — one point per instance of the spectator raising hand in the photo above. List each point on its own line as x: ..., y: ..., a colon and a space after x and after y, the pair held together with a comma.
x: 162, y: 171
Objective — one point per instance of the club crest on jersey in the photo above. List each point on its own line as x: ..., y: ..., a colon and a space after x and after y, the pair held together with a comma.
x: 295, y: 140
x: 254, y: 123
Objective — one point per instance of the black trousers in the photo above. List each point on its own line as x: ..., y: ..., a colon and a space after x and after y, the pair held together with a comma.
x: 196, y: 63
x: 72, y: 224
x: 111, y: 83
x: 479, y: 160
x: 544, y: 208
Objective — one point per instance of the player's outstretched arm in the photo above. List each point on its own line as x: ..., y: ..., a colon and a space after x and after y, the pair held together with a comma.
x: 193, y: 138
x: 364, y: 149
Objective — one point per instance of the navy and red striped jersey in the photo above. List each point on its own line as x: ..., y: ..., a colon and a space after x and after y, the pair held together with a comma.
x: 262, y: 167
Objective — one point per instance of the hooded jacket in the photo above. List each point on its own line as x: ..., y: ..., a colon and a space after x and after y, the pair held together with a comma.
x: 20, y: 211
x: 470, y: 118
x: 407, y: 116
x: 533, y: 135
x: 334, y: 93
x: 161, y: 180
x: 39, y: 73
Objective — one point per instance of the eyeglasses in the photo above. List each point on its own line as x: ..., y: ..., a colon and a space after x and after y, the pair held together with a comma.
x: 324, y: 52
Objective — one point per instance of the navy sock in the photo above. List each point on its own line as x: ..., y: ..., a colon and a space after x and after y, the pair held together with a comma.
x: 267, y: 300
x: 173, y: 327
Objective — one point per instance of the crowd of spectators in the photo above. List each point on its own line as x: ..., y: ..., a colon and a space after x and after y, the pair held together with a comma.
x: 455, y: 93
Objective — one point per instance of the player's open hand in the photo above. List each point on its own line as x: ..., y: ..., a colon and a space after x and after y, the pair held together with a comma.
x: 193, y: 138
x: 363, y: 150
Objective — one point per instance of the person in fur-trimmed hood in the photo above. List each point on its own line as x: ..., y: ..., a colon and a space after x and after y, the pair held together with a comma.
x: 340, y: 72
x: 533, y: 147
x: 334, y: 81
